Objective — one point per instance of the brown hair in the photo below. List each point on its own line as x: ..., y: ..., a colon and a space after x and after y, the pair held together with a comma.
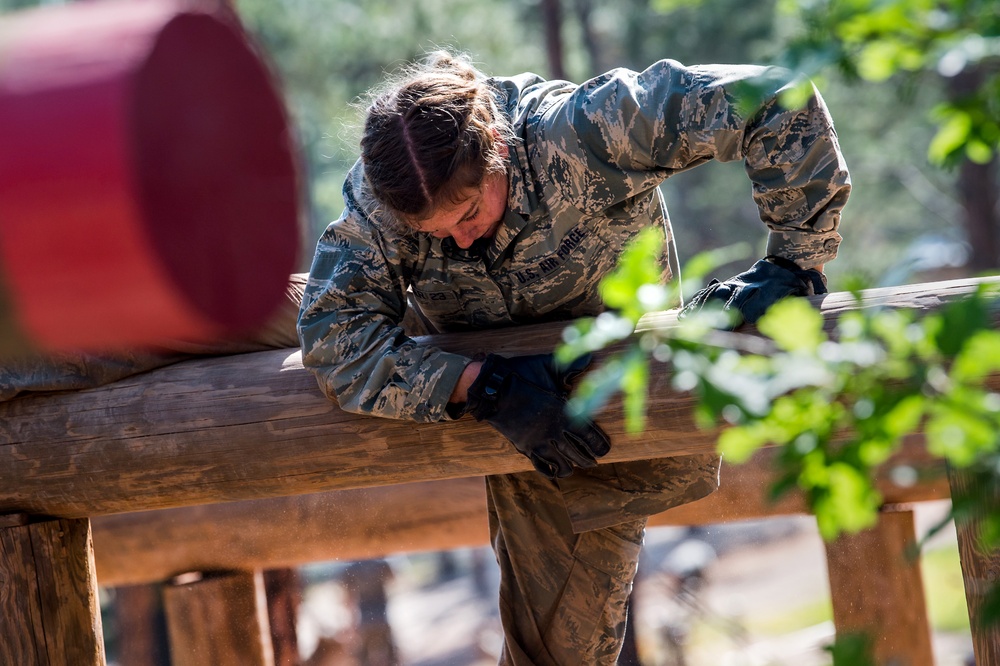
x: 431, y: 132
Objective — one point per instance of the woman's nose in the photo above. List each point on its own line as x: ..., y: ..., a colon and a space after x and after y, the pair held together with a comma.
x: 463, y: 238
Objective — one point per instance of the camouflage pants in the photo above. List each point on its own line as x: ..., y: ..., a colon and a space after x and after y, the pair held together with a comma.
x: 568, y: 552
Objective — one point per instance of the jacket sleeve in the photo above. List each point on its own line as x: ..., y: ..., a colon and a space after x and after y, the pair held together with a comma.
x: 622, y: 133
x: 350, y: 330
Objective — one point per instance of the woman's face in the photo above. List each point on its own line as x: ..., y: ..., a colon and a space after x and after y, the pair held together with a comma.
x: 478, y: 215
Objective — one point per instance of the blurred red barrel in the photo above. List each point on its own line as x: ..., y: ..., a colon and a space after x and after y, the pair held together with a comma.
x: 148, y: 185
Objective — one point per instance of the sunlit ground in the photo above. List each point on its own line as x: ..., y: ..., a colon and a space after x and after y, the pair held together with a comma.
x: 763, y: 601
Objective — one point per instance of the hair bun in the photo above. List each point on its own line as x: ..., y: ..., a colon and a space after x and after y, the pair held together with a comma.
x: 457, y: 64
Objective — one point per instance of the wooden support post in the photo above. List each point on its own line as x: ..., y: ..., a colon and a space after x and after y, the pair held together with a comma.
x: 980, y: 572
x: 284, y: 594
x: 141, y: 627
x: 218, y: 619
x: 49, y: 611
x: 876, y: 587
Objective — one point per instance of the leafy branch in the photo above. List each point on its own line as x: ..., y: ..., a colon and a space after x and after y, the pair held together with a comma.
x: 837, y: 404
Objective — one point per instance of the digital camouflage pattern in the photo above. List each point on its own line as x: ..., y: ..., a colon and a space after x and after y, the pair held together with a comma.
x: 584, y: 176
x: 583, y: 181
x: 568, y: 604
x: 568, y: 552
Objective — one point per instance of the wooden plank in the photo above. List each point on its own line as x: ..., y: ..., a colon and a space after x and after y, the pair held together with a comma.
x: 218, y: 619
x: 255, y: 425
x: 876, y: 588
x: 366, y: 523
x: 980, y: 569
x: 49, y: 611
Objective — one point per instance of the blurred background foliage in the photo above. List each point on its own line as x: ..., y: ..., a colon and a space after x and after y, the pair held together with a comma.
x: 909, y: 218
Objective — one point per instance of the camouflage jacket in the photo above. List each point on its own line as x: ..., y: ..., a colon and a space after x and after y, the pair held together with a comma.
x: 584, y: 171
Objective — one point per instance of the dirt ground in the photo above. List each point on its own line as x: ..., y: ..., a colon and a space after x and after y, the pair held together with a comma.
x: 761, y: 598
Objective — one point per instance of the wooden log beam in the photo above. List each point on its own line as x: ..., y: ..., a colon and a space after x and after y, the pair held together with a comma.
x: 49, y: 612
x: 218, y: 619
x: 366, y: 523
x: 255, y: 426
x: 877, y: 590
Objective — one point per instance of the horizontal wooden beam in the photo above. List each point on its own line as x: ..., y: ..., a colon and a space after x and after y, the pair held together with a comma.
x: 361, y: 523
x: 255, y: 426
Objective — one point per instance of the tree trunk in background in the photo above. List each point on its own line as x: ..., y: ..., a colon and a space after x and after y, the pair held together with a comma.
x: 635, y: 29
x: 584, y: 15
x: 552, y: 19
x: 977, y: 189
x: 284, y: 594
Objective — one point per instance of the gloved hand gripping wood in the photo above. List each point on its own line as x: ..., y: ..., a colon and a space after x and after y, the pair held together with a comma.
x: 753, y: 291
x: 524, y: 398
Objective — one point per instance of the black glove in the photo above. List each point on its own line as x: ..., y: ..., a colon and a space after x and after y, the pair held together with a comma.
x: 524, y: 398
x: 752, y: 292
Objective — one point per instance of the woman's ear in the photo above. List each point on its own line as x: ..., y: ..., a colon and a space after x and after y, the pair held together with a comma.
x: 502, y: 148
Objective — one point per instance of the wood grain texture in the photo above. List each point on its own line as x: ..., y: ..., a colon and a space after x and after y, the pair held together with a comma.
x: 876, y: 587
x: 980, y: 573
x: 220, y: 619
x: 364, y: 523
x: 255, y: 425
x: 49, y: 611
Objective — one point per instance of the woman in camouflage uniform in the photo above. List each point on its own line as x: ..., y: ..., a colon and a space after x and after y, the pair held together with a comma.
x: 500, y: 201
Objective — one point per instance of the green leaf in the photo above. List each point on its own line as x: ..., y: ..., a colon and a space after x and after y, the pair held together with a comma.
x: 960, y: 320
x: 878, y: 61
x: 794, y: 325
x: 979, y: 151
x: 638, y: 265
x: 951, y: 136
x: 634, y: 383
x: 738, y: 443
x: 667, y: 6
x: 596, y: 389
x: 904, y: 417
x: 978, y: 358
x: 851, y: 504
x: 797, y: 95
x: 852, y: 649
x: 959, y: 434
